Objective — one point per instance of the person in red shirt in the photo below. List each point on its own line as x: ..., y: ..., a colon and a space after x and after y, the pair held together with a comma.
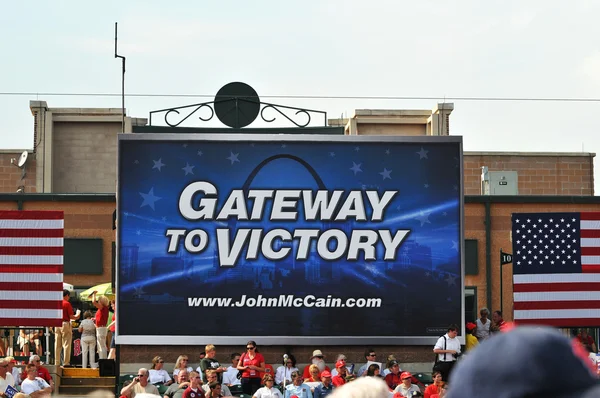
x: 195, y: 389
x: 393, y: 379
x: 251, y: 363
x: 63, y: 336
x: 317, y: 359
x: 434, y: 388
x: 340, y: 379
x: 101, y: 321
x: 585, y: 339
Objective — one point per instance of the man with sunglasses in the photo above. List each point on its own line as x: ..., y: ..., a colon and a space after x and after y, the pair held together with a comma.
x: 139, y: 385
x: 316, y: 359
x: 371, y: 357
x: 6, y: 379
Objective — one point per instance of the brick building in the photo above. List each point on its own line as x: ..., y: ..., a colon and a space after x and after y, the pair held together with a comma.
x: 73, y: 167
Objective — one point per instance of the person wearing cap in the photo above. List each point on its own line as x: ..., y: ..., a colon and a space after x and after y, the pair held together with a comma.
x: 340, y: 379
x: 407, y: 388
x: 326, y: 386
x: 268, y: 391
x: 298, y: 388
x: 526, y: 362
x: 471, y: 340
x: 6, y: 379
x: 388, y: 368
x: 316, y: 359
x: 14, y: 370
x: 349, y: 367
x: 393, y: 378
x: 448, y: 349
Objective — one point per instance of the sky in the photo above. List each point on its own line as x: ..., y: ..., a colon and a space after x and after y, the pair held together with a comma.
x: 424, y: 48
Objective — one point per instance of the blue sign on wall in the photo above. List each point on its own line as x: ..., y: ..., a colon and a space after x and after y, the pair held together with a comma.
x: 288, y: 239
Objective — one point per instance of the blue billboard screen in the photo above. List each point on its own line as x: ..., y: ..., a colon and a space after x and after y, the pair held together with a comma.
x: 288, y: 239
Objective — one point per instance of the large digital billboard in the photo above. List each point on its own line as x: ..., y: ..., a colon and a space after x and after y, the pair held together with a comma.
x: 288, y: 239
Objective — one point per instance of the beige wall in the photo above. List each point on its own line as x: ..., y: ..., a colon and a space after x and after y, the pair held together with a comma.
x: 76, y: 148
x: 84, y: 157
x: 391, y: 129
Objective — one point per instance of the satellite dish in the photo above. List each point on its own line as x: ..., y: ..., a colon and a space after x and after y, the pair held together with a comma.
x: 237, y: 104
x: 22, y: 159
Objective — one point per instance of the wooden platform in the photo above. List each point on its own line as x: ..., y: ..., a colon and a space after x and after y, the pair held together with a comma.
x: 80, y: 382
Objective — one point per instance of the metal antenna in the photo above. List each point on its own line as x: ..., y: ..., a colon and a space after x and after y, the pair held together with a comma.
x: 122, y: 83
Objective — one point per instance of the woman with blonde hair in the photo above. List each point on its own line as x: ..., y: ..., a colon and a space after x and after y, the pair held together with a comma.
x: 101, y: 319
x: 180, y: 364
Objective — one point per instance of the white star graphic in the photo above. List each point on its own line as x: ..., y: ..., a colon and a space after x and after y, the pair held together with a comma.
x: 451, y: 280
x: 158, y: 164
x: 426, y: 185
x: 138, y: 232
x: 356, y: 148
x: 445, y: 213
x: 387, y: 151
x: 136, y: 161
x: 386, y: 173
x: 455, y: 245
x: 283, y: 145
x: 233, y: 157
x: 164, y: 218
x: 149, y: 198
x: 423, y: 218
x: 422, y: 153
x: 356, y: 168
x: 188, y: 169
x: 184, y: 145
x: 332, y: 154
x: 200, y: 153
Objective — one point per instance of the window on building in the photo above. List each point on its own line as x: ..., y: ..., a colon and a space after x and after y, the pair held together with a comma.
x: 470, y: 304
x: 471, y: 257
x: 83, y: 256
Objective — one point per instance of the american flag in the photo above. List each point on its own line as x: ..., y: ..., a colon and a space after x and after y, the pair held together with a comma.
x: 31, y: 268
x: 556, y: 269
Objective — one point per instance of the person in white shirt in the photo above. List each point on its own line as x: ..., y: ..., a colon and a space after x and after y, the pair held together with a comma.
x: 285, y: 372
x: 483, y: 325
x: 268, y: 391
x: 157, y: 374
x: 6, y: 379
x: 448, y: 350
x: 230, y: 376
x: 34, y: 384
x: 14, y: 370
x: 406, y: 388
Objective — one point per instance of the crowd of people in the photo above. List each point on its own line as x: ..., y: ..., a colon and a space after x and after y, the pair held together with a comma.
x: 525, y: 360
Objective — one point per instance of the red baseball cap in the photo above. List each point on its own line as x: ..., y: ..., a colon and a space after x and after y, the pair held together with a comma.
x: 325, y: 373
x: 294, y: 396
x: 405, y: 375
x: 340, y: 364
x: 471, y: 326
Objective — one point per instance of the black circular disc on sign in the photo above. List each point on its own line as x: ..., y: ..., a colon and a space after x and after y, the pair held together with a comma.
x: 237, y: 104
